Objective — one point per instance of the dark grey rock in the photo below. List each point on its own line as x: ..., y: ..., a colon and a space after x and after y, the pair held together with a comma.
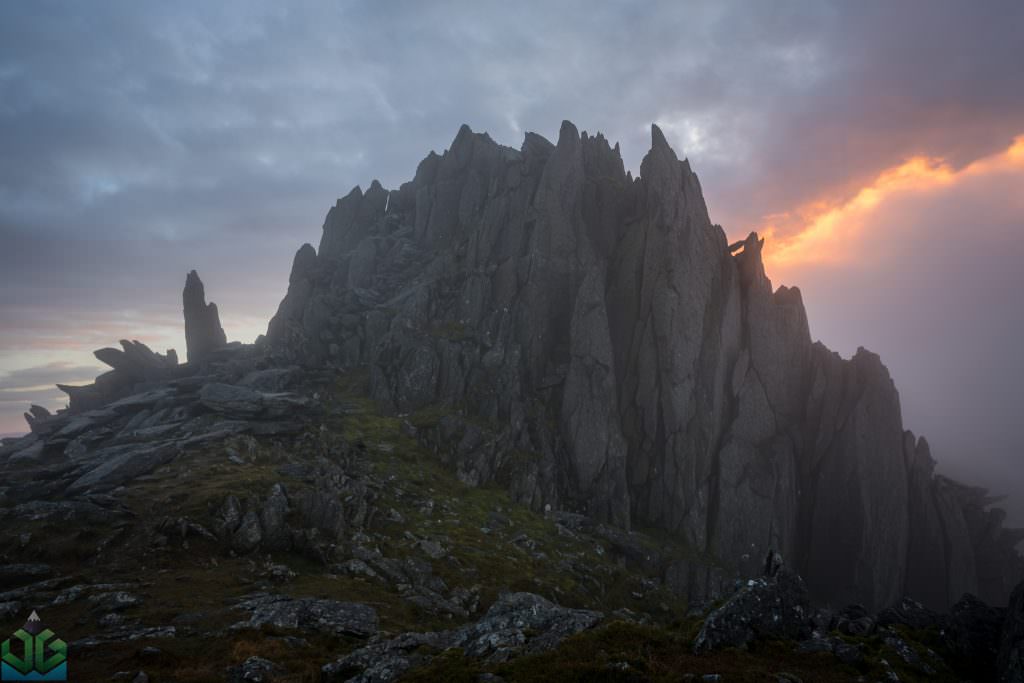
x: 231, y: 399
x: 907, y: 653
x: 255, y: 670
x: 249, y: 534
x: 386, y: 660
x: 775, y: 607
x: 273, y: 520
x: 203, y: 333
x: 522, y: 623
x: 271, y: 379
x: 909, y: 613
x: 120, y: 464
x: 308, y: 614
x: 516, y: 624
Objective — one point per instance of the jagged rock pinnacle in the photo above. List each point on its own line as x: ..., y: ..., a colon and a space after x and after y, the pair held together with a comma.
x: 650, y: 366
x: 203, y: 332
x: 658, y: 140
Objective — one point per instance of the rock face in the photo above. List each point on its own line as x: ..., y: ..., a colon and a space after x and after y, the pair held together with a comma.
x: 203, y: 333
x: 649, y: 367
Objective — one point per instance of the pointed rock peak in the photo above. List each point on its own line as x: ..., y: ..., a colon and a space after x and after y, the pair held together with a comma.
x: 355, y: 194
x: 203, y: 332
x: 194, y: 286
x: 375, y: 189
x: 568, y: 134
x: 304, y: 263
x: 658, y: 140
x: 463, y: 137
x: 532, y: 142
x: 618, y: 153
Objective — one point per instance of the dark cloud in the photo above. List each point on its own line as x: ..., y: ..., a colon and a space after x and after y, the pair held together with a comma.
x: 140, y: 140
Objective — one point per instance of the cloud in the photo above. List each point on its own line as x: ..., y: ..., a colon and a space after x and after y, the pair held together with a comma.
x: 47, y: 375
x: 922, y: 265
x: 19, y: 388
x: 826, y: 231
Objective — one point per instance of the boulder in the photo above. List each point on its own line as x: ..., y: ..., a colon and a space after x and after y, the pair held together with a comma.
x: 910, y: 613
x: 255, y: 670
x: 772, y: 607
x: 308, y: 614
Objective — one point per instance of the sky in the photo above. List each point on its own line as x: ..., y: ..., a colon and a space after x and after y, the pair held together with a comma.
x: 878, y: 146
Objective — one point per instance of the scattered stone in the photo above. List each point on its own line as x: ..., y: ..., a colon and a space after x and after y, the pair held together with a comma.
x: 432, y: 549
x: 255, y: 670
x: 516, y: 624
x: 115, y: 601
x: 909, y: 613
x: 308, y: 614
x: 854, y: 620
x: 905, y: 652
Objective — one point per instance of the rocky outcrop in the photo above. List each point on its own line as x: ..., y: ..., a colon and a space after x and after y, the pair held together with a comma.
x: 650, y: 367
x: 134, y: 364
x: 151, y: 412
x: 203, y: 333
x: 308, y: 614
x: 135, y: 367
x: 516, y: 624
x: 773, y: 606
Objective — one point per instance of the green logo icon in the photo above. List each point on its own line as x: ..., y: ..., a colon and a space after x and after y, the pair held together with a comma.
x: 43, y: 656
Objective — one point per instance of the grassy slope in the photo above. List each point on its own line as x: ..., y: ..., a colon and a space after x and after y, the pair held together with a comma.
x: 202, y: 579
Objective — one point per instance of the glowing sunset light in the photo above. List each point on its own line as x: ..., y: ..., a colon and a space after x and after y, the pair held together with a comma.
x: 818, y: 231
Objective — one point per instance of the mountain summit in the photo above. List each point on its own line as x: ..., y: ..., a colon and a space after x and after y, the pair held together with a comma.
x: 635, y: 367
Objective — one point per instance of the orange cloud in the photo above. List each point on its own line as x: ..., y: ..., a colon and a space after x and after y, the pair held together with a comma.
x: 819, y: 232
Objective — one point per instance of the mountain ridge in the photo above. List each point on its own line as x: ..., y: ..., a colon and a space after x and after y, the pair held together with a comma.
x: 686, y: 393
